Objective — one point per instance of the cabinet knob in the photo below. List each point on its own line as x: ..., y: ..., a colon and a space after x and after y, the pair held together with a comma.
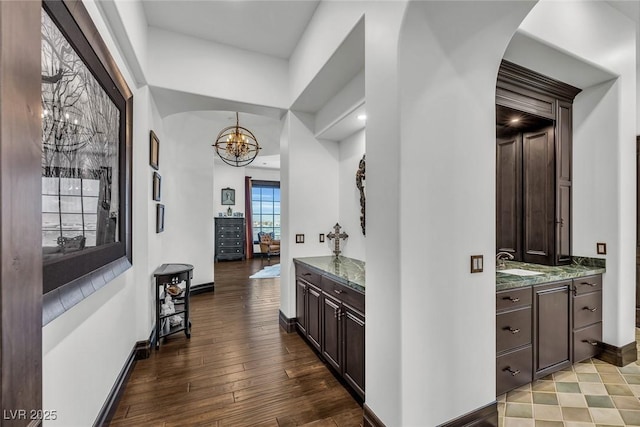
x: 593, y: 343
x: 512, y: 299
x: 512, y: 330
x: 336, y: 314
x: 594, y: 309
x: 307, y: 274
x: 513, y: 373
x: 338, y: 291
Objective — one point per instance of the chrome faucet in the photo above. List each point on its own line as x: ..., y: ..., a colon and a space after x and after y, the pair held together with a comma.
x: 500, y: 258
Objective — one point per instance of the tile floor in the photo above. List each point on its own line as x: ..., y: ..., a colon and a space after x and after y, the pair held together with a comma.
x: 590, y: 393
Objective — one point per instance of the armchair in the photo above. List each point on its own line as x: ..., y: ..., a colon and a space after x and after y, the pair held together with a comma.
x: 268, y: 245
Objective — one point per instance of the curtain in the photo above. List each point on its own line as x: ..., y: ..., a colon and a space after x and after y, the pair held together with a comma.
x: 249, y: 216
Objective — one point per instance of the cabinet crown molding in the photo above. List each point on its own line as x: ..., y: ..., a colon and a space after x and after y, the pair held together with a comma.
x: 524, y: 78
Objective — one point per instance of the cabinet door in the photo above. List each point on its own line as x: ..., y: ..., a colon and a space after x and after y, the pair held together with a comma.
x: 301, y: 312
x: 552, y: 328
x: 331, y: 331
x: 538, y: 154
x: 314, y: 310
x: 509, y: 195
x: 563, y: 183
x: 353, y: 348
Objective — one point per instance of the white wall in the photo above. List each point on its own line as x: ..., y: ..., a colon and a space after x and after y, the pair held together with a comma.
x: 447, y: 203
x: 351, y: 150
x: 605, y: 124
x: 187, y: 193
x: 309, y: 179
x: 194, y: 65
x: 102, y: 330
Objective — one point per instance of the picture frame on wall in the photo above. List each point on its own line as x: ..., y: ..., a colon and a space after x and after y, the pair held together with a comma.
x: 228, y: 196
x: 154, y: 150
x: 157, y: 187
x: 159, y: 218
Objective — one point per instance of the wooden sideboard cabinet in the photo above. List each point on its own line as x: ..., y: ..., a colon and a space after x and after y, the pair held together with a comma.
x: 331, y: 317
x: 229, y: 238
x: 544, y: 328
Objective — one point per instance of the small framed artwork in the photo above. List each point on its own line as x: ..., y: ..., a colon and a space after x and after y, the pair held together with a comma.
x: 228, y: 196
x: 154, y: 150
x: 157, y: 186
x: 159, y: 218
x: 299, y: 238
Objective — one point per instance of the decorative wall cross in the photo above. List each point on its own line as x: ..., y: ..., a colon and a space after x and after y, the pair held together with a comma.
x: 336, y: 234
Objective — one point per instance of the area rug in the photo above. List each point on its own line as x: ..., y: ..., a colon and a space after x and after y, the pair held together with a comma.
x: 267, y: 272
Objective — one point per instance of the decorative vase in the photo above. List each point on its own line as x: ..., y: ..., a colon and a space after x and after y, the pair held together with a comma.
x: 229, y: 211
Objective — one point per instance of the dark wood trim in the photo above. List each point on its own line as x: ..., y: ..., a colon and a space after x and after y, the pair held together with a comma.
x: 369, y: 419
x: 289, y: 325
x: 20, y: 208
x: 618, y: 356
x: 111, y: 404
x: 202, y: 288
x: 517, y: 75
x: 142, y: 349
x: 484, y: 416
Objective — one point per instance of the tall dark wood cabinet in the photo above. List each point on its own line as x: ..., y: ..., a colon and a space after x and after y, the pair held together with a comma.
x: 533, y: 166
x: 229, y: 238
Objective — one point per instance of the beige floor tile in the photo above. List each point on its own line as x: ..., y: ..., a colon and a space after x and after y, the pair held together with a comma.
x: 519, y: 410
x: 572, y: 400
x: 502, y: 398
x: 526, y: 387
x: 598, y: 362
x: 588, y: 377
x: 593, y: 388
x: 626, y: 402
x: 632, y: 379
x: 545, y: 423
x: 614, y: 378
x: 577, y: 424
x: 568, y: 377
x: 519, y: 396
x: 635, y: 389
x: 543, y: 386
x: 606, y: 368
x: 585, y: 368
x: 631, y: 418
x: 576, y: 414
x: 518, y: 422
x: 606, y: 416
x: 501, y: 408
x: 547, y: 412
x: 545, y: 398
x: 631, y: 368
x: 618, y: 389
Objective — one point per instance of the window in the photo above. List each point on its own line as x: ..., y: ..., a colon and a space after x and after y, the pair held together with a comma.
x: 265, y: 208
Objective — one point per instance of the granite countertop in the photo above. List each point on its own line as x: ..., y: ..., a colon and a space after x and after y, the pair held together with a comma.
x: 347, y: 271
x: 579, y: 267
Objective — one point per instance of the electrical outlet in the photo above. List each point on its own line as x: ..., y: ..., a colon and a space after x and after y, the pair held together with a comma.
x: 477, y: 262
x: 601, y: 248
x: 321, y: 238
x: 299, y: 238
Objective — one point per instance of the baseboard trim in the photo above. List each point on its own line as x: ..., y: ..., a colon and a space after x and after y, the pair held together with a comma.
x: 204, y: 287
x: 289, y: 325
x: 142, y: 349
x: 369, y: 419
x: 111, y: 404
x: 619, y: 356
x: 484, y: 416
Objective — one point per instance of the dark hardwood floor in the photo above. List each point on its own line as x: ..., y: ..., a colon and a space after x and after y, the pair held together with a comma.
x: 238, y: 369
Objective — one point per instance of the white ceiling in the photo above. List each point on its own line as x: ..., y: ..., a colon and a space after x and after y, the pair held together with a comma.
x: 271, y: 27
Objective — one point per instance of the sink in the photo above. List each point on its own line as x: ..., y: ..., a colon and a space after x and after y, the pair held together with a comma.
x: 520, y: 272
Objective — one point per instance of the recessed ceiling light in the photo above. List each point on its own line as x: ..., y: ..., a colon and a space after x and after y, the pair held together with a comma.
x: 362, y: 117
x: 515, y: 120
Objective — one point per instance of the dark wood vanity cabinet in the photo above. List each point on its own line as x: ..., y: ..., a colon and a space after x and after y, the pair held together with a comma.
x: 544, y: 328
x: 533, y: 166
x: 552, y: 330
x: 331, y: 317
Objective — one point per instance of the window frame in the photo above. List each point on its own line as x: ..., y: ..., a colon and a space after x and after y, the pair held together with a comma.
x: 76, y: 25
x: 262, y: 184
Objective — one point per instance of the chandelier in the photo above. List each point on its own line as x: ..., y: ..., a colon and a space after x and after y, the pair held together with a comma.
x: 236, y: 145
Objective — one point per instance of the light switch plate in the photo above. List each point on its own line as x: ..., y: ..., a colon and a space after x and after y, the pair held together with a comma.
x: 299, y: 238
x: 601, y: 248
x: 477, y: 263
x: 321, y: 237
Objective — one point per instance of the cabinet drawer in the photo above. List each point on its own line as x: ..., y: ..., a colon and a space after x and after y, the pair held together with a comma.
x: 308, y: 275
x: 229, y: 243
x: 587, y: 309
x: 345, y: 294
x: 513, y: 329
x: 513, y: 298
x: 237, y: 234
x: 513, y: 370
x: 585, y: 342
x: 225, y: 250
x: 583, y: 285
